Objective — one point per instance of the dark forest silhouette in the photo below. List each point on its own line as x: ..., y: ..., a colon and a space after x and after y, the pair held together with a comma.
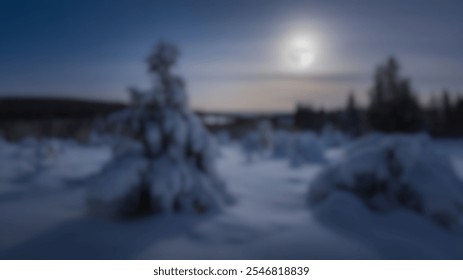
x: 393, y: 107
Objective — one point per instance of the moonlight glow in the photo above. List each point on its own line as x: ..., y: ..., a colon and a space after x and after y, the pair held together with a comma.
x: 300, y: 53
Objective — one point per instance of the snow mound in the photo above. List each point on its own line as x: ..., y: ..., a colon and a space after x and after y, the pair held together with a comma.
x: 396, y: 172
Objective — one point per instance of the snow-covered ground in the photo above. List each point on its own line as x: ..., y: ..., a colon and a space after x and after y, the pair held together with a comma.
x: 43, y: 214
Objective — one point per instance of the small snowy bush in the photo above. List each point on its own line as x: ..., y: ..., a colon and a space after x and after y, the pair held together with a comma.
x: 298, y: 147
x: 396, y: 172
x: 164, y: 157
x: 223, y: 137
x: 265, y: 130
x: 368, y: 140
x: 258, y: 142
x: 306, y: 149
x: 332, y: 137
x: 282, y: 144
x: 251, y: 146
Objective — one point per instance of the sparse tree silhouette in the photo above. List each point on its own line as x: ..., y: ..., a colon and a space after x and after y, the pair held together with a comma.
x: 446, y: 115
x: 353, y: 121
x: 458, y: 113
x: 393, y: 106
x: 432, y: 117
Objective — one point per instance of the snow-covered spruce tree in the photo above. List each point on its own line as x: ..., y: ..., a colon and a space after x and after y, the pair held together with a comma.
x: 164, y: 158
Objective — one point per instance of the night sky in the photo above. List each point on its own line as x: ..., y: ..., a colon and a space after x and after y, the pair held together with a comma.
x: 234, y: 53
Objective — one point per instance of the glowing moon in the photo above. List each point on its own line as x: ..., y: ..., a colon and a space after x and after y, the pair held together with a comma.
x: 301, y: 54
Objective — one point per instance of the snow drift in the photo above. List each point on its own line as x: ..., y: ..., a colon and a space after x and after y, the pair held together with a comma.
x: 395, y: 172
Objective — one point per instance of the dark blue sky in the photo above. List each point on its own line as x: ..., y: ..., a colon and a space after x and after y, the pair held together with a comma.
x: 232, y: 50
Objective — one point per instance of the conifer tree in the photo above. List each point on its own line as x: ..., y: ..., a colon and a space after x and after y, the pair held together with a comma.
x: 165, y: 157
x: 393, y: 105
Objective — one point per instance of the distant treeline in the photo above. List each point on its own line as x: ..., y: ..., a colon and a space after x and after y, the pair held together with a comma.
x: 24, y: 108
x: 393, y: 107
x: 50, y: 117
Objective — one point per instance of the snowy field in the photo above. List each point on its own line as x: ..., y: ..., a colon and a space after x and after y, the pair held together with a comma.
x: 43, y: 214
